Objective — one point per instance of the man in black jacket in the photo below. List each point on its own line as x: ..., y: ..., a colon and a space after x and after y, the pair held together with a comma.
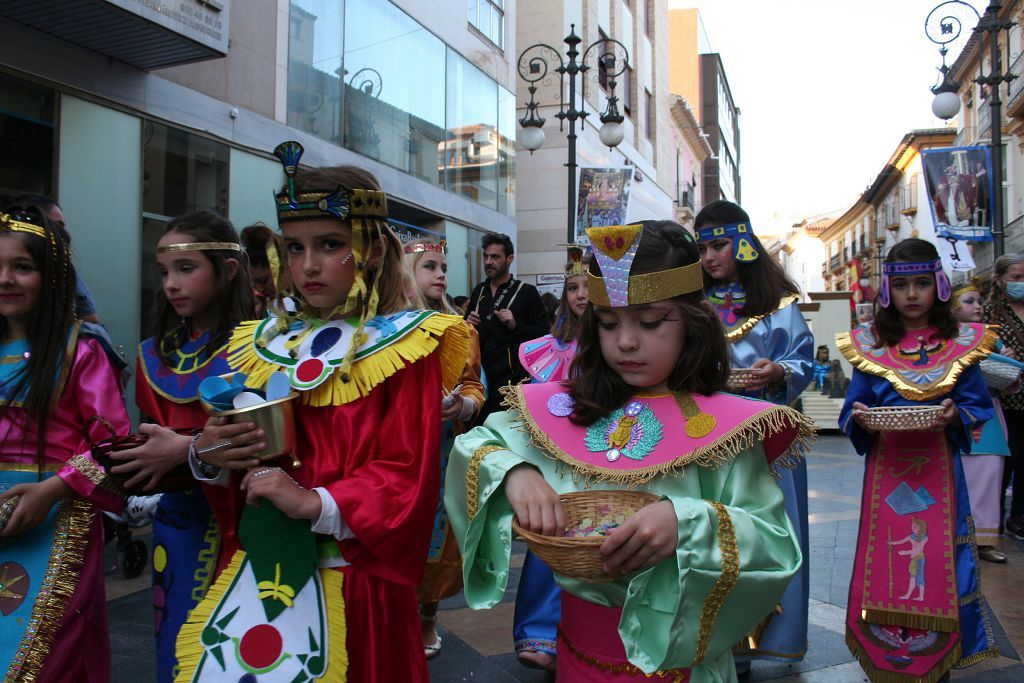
x: 506, y: 312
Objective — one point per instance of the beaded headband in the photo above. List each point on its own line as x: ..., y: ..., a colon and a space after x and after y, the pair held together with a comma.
x: 339, y: 203
x: 615, y: 248
x: 200, y: 246
x: 9, y: 223
x: 743, y: 249
x: 438, y: 247
x: 899, y: 268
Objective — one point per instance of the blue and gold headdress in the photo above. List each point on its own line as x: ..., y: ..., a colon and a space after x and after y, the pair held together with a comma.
x: 743, y: 249
x: 615, y: 248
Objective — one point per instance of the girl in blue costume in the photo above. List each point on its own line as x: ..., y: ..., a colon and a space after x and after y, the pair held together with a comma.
x: 547, y: 359
x: 204, y: 293
x: 766, y: 332
x: 915, y: 354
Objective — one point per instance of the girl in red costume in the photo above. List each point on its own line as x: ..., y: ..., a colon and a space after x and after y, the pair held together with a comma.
x: 320, y: 563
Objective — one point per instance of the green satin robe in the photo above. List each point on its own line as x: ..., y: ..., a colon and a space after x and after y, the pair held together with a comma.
x: 662, y: 605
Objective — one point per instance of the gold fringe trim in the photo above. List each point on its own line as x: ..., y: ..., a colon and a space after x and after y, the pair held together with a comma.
x: 922, y: 622
x: 726, y: 581
x: 71, y: 536
x: 627, y: 669
x: 912, y: 392
x: 473, y: 478
x: 879, y: 676
x: 189, y: 647
x: 990, y: 653
x: 737, y: 332
x: 718, y: 453
x: 447, y: 333
x: 337, y: 627
x: 749, y: 645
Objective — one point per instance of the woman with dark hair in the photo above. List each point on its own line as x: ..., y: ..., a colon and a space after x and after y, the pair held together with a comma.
x: 204, y: 294
x: 767, y: 336
x: 642, y: 409
x: 916, y: 356
x: 54, y: 378
x: 1005, y: 308
x: 265, y: 252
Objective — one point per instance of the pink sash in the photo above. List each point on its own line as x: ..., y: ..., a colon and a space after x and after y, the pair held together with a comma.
x: 902, y: 619
x: 590, y: 648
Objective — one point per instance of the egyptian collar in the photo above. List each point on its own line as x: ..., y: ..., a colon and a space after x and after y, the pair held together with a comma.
x: 547, y: 359
x: 14, y: 355
x: 310, y: 351
x: 922, y: 366
x: 728, y: 299
x: 654, y: 435
x: 178, y: 381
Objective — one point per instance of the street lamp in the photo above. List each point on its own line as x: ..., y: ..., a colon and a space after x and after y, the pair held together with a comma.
x: 612, y: 61
x: 942, y: 27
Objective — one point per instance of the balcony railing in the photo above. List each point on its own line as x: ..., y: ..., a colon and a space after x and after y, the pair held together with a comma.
x: 834, y: 262
x: 984, y: 117
x: 1017, y: 84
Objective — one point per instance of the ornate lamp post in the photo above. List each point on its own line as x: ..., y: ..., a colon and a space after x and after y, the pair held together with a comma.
x: 943, y: 26
x: 612, y: 60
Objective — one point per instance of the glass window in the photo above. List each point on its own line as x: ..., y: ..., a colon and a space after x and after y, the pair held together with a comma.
x: 649, y: 111
x: 469, y: 155
x: 394, y: 84
x: 506, y: 152
x: 181, y: 173
x: 488, y: 16
x: 315, y: 68
x: 27, y: 137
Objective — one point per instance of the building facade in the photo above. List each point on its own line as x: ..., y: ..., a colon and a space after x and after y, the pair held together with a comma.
x: 130, y: 115
x: 803, y: 252
x: 649, y: 145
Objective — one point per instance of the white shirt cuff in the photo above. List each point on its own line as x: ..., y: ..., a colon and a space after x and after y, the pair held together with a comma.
x: 468, y: 409
x: 220, y: 479
x: 330, y: 522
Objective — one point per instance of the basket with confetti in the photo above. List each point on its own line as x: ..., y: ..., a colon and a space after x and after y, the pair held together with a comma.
x: 589, y: 516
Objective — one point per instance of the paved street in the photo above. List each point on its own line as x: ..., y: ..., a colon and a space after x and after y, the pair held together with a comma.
x: 478, y: 645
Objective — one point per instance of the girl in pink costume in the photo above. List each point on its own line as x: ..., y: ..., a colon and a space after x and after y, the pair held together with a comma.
x: 53, y: 380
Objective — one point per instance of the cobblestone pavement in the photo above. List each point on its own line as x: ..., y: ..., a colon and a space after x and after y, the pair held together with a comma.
x: 478, y: 644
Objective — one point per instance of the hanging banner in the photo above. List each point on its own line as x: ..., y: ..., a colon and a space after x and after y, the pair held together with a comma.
x: 602, y: 197
x: 959, y: 182
x: 956, y: 255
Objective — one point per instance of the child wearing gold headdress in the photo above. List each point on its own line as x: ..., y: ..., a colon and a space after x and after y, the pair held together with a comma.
x: 320, y: 563
x: 689, y: 575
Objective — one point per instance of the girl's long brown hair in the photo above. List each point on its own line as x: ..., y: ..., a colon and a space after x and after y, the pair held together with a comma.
x: 234, y: 301
x: 566, y: 326
x: 47, y: 332
x: 703, y: 364
x: 888, y: 327
x: 763, y: 280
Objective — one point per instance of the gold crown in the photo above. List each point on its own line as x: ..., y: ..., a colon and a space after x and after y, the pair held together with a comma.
x: 9, y: 223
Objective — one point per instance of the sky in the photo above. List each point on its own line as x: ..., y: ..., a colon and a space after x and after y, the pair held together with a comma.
x: 826, y: 89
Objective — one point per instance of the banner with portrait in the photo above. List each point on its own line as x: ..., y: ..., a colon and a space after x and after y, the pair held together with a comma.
x: 959, y: 185
x: 602, y: 197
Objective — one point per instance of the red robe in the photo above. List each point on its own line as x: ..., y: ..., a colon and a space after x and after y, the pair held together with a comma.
x: 377, y: 457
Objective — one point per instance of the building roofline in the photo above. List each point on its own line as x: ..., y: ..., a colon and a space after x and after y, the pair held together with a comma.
x: 688, y: 124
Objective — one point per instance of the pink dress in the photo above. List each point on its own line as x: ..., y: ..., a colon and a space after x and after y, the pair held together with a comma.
x: 80, y: 643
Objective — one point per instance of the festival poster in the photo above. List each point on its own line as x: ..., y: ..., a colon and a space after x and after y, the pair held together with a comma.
x: 959, y: 185
x: 602, y: 197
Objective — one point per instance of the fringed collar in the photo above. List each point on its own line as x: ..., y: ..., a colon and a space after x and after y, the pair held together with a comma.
x: 311, y: 351
x: 547, y: 359
x: 923, y: 366
x: 727, y: 300
x: 649, y: 436
x: 178, y: 381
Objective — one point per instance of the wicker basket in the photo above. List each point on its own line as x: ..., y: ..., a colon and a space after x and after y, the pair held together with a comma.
x: 901, y: 418
x: 741, y: 378
x: 578, y: 557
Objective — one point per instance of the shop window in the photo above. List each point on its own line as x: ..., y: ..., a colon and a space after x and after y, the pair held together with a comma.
x: 27, y: 138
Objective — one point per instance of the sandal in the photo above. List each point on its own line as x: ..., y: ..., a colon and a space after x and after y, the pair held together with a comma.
x: 431, y: 651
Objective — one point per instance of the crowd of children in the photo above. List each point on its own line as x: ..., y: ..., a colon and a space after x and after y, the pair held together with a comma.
x: 671, y: 369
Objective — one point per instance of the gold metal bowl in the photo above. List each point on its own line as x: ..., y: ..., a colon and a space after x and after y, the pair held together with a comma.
x: 275, y: 418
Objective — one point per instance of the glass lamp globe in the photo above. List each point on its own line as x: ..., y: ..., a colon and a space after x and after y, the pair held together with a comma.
x: 611, y: 134
x: 532, y: 137
x: 946, y: 105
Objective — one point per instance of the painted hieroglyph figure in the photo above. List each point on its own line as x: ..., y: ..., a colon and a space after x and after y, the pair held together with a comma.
x: 917, y: 539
